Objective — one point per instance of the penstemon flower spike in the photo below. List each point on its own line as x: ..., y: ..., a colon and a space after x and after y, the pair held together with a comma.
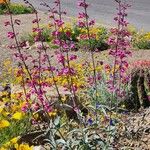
x: 85, y: 23
x: 45, y: 51
x: 120, y: 45
x: 64, y: 46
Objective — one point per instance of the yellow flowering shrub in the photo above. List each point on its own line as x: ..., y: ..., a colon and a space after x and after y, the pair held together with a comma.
x: 13, y: 143
x: 141, y: 40
x: 78, y: 79
x: 12, y: 120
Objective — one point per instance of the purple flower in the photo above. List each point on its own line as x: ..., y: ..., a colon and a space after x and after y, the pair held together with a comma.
x: 98, y: 105
x: 57, y: 42
x: 66, y: 71
x: 90, y: 121
x: 59, y: 23
x: 65, y: 46
x: 55, y: 33
x: 111, y: 122
x: 72, y: 46
x: 52, y: 68
x: 74, y: 88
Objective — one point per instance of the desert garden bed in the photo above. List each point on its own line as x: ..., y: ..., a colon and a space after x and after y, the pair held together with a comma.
x: 61, y: 94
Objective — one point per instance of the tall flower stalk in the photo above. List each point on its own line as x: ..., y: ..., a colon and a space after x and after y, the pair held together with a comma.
x: 45, y: 50
x: 120, y: 45
x: 23, y: 67
x: 85, y: 22
x: 35, y: 81
x: 64, y: 45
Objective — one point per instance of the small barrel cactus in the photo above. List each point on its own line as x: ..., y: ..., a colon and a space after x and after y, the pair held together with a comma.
x: 140, y: 85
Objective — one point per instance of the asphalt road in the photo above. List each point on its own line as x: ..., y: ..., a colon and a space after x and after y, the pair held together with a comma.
x: 104, y: 11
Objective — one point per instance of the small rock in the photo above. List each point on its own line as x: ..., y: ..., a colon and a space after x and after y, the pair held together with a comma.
x: 145, y: 139
x: 38, y: 148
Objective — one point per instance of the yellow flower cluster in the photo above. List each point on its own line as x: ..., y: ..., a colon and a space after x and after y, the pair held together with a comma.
x: 4, y: 123
x: 10, y: 143
x: 78, y: 79
x: 12, y: 111
x: 141, y: 40
x: 147, y: 36
x: 13, y: 143
x: 23, y: 147
x: 53, y: 113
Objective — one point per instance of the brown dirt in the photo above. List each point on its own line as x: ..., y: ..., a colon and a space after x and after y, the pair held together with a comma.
x: 136, y: 132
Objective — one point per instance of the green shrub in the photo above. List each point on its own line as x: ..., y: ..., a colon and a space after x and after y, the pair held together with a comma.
x: 2, y: 8
x: 46, y: 35
x: 16, y: 9
x: 99, y: 42
x: 98, y: 39
x: 143, y: 44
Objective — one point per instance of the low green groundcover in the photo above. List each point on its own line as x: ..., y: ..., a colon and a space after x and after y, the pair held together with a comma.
x: 15, y: 9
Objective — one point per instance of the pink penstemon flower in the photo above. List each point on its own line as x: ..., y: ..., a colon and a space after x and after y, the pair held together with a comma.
x: 82, y: 3
x: 92, y: 23
x: 73, y: 57
x: 59, y: 23
x: 81, y: 24
x: 60, y: 58
x: 7, y: 23
x: 11, y: 35
x: 35, y: 21
x: 82, y: 15
x: 85, y: 22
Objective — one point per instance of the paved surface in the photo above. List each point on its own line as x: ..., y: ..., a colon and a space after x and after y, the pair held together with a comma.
x: 104, y: 11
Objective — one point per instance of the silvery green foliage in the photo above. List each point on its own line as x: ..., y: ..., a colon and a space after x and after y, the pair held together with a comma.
x: 87, y: 137
x: 103, y: 95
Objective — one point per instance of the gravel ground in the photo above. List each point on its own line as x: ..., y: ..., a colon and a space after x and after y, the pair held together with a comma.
x: 26, y: 26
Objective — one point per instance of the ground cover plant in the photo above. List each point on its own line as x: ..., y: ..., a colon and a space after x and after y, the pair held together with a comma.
x: 56, y: 100
x: 15, y: 9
